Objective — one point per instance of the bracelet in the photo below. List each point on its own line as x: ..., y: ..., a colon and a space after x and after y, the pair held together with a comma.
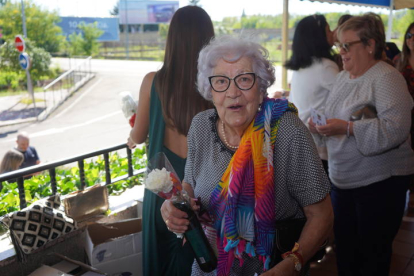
x: 347, y: 129
x: 297, y: 257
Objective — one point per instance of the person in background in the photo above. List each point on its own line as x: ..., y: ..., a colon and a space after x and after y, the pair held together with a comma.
x: 314, y: 70
x: 370, y: 157
x: 252, y: 162
x: 405, y: 64
x: 31, y: 157
x: 10, y: 162
x: 341, y: 20
x: 168, y: 101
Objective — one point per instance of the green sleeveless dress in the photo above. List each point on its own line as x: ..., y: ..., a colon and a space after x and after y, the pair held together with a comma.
x: 163, y: 253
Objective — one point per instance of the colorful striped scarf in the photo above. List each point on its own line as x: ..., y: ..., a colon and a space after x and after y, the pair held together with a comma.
x: 242, y: 204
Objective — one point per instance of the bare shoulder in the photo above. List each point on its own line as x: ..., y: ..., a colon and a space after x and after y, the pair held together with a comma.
x: 147, y: 83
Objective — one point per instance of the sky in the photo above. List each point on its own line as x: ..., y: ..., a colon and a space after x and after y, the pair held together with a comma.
x: 217, y: 9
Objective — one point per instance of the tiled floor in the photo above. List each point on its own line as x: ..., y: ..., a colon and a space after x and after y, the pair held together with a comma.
x: 402, y: 258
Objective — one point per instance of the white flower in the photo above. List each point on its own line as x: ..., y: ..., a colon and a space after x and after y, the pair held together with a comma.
x: 159, y: 181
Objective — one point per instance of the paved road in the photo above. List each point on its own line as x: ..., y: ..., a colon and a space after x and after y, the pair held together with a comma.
x: 91, y: 119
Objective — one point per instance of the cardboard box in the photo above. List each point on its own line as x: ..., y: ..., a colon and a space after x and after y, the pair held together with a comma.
x: 113, y: 241
x: 131, y: 265
x: 81, y: 205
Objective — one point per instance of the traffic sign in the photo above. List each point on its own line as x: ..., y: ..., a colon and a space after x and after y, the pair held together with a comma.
x: 24, y: 61
x: 19, y: 43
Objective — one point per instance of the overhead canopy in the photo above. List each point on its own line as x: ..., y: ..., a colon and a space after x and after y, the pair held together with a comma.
x: 398, y: 4
x: 389, y: 4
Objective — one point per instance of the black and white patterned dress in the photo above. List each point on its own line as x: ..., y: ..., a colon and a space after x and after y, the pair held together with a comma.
x: 299, y: 176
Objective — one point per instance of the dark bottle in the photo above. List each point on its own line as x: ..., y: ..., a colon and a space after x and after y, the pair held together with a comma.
x: 205, y: 256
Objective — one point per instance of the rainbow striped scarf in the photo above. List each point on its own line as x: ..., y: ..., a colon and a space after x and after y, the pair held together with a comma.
x: 243, y: 203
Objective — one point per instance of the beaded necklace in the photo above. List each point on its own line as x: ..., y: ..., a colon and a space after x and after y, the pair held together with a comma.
x: 224, y: 137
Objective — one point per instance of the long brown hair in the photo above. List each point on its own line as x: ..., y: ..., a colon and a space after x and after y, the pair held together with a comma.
x: 405, y: 54
x: 190, y: 29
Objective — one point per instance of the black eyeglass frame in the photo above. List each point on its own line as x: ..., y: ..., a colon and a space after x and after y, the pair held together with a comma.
x: 234, y: 80
x: 408, y: 35
x: 346, y: 46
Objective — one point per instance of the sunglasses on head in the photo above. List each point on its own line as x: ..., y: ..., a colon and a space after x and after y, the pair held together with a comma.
x: 409, y: 36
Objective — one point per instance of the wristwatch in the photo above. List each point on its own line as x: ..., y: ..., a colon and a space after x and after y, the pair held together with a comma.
x: 298, y: 265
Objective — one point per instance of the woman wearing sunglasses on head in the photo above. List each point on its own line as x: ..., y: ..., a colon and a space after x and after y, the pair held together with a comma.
x: 370, y: 156
x: 405, y: 65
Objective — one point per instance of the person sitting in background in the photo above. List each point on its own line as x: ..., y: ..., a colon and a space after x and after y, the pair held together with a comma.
x: 314, y: 70
x: 369, y: 153
x: 253, y: 163
x: 31, y: 157
x: 11, y: 161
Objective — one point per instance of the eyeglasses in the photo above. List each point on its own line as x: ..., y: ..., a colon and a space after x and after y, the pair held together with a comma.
x: 409, y: 36
x: 346, y: 45
x: 243, y: 81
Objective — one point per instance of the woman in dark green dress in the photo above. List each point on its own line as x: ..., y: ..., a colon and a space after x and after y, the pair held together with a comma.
x: 168, y: 100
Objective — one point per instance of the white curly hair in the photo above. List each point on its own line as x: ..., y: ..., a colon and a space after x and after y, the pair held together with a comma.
x: 232, y: 48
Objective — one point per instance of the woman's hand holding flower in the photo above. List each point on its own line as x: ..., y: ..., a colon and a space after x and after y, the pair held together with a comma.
x: 175, y: 219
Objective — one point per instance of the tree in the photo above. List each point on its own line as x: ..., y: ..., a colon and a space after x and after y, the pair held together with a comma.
x: 403, y: 22
x: 41, y: 25
x: 3, y: 2
x: 39, y: 58
x: 91, y: 33
x: 114, y: 11
x: 85, y: 42
x: 193, y: 2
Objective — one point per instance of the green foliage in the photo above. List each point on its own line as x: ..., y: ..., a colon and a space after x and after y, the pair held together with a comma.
x: 10, y: 80
x: 163, y: 31
x: 402, y: 21
x: 86, y: 42
x: 41, y: 25
x: 39, y: 58
x: 68, y: 180
x: 75, y: 47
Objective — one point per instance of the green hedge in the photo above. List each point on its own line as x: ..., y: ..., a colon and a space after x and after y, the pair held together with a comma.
x: 68, y: 180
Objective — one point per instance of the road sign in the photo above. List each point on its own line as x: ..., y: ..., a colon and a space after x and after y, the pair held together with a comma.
x: 24, y: 61
x: 19, y: 43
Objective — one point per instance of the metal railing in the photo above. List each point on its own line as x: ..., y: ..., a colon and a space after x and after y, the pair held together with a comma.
x: 51, y: 167
x: 56, y: 92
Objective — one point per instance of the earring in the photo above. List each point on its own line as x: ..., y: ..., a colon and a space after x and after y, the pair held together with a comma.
x: 260, y: 108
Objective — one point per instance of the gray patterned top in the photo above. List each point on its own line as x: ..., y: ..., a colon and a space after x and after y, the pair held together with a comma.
x: 380, y: 147
x: 299, y: 176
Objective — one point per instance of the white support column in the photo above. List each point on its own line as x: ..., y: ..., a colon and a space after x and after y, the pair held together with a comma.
x: 285, y: 42
x: 390, y: 19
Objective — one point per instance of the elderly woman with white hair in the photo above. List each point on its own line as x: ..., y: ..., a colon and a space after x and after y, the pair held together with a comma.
x: 252, y: 163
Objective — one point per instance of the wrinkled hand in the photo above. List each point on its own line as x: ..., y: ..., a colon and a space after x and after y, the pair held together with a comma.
x: 333, y: 127
x: 284, y: 268
x: 175, y: 219
x: 131, y: 144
